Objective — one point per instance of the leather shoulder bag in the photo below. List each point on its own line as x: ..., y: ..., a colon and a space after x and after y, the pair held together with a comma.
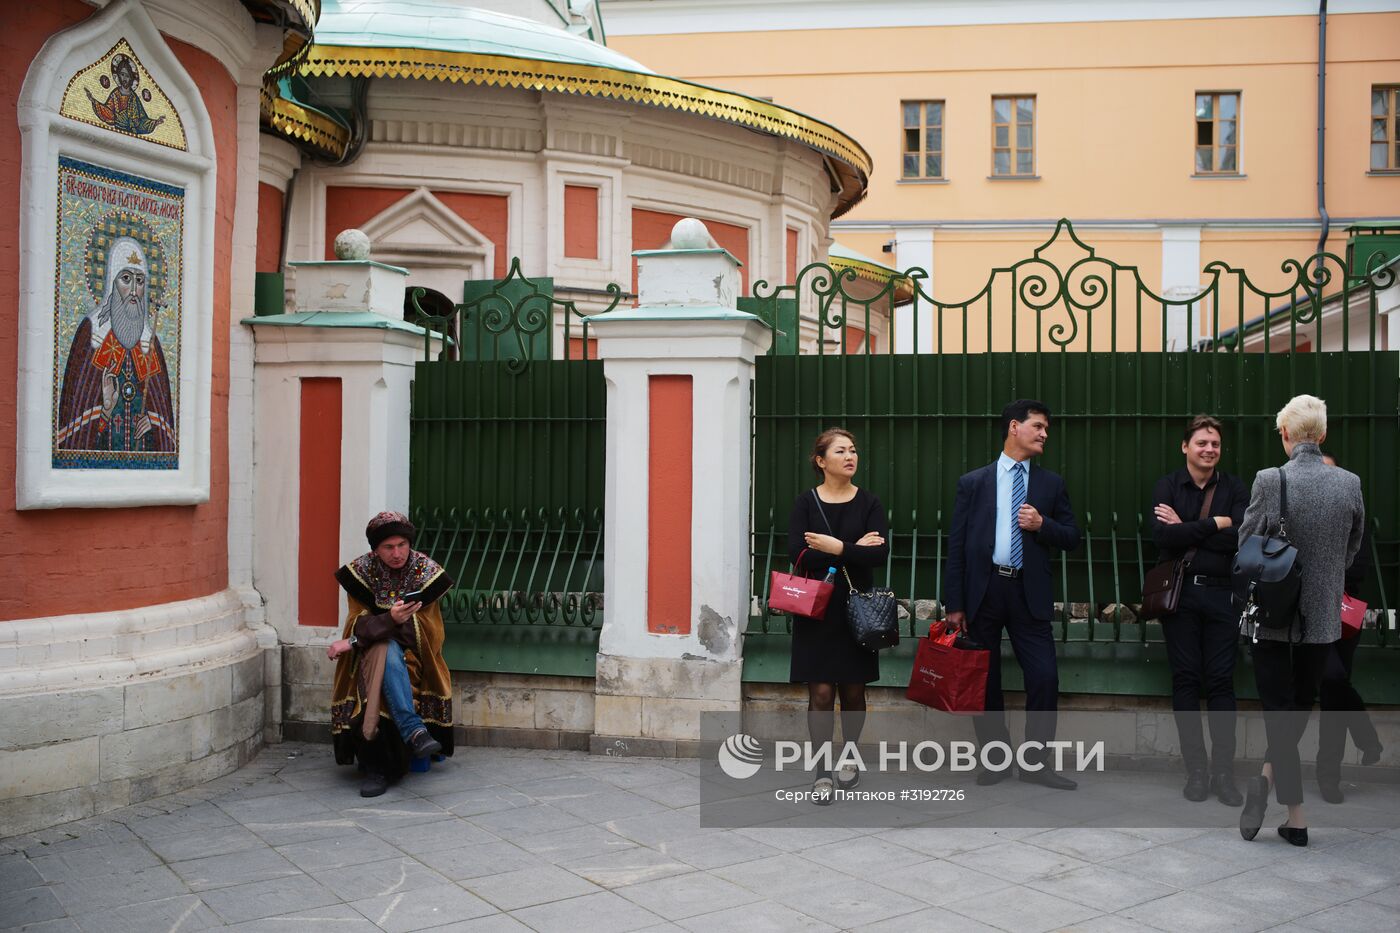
x: 1267, y: 578
x: 871, y: 614
x: 1161, y: 588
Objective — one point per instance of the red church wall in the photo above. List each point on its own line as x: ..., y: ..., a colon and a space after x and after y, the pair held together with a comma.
x: 270, y: 200
x: 92, y: 560
x: 488, y: 213
x: 651, y: 230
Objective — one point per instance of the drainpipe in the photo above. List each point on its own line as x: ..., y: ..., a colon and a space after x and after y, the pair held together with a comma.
x: 1322, y: 131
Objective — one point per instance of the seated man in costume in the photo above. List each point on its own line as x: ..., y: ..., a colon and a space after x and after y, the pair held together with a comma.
x: 393, y: 694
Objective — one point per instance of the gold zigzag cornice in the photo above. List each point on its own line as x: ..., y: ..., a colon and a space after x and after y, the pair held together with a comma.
x: 298, y: 122
x: 852, y: 168
x: 903, y: 288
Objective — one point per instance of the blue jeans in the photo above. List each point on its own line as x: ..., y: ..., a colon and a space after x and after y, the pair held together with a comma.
x: 398, y: 692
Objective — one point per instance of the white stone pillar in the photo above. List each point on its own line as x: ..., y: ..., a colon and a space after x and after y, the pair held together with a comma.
x: 1181, y: 279
x: 676, y: 534
x: 914, y: 249
x: 348, y: 330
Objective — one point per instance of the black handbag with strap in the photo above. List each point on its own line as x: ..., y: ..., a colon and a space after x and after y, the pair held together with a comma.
x: 1161, y: 588
x: 1267, y: 578
x: 872, y: 615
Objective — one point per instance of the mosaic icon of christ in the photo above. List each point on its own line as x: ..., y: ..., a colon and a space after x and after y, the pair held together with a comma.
x: 116, y: 388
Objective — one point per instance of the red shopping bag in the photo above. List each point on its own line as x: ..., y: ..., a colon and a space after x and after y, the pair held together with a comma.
x: 802, y: 596
x: 1353, y: 614
x: 946, y: 676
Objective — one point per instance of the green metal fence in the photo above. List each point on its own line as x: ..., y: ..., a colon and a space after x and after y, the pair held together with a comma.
x: 1085, y: 335
x: 506, y: 478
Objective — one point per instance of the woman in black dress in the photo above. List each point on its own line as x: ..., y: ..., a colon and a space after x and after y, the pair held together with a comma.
x: 843, y: 527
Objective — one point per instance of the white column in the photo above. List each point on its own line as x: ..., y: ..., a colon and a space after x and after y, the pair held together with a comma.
x: 914, y: 249
x: 1181, y: 279
x: 348, y: 325
x: 652, y: 685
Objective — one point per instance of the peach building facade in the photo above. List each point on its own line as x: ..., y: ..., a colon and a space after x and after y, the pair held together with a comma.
x: 1172, y: 136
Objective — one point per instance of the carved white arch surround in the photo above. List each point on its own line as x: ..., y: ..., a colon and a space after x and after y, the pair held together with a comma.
x: 45, y: 136
x: 420, y: 233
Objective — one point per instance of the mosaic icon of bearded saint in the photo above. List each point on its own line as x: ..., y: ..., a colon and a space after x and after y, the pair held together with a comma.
x: 123, y: 109
x: 116, y: 389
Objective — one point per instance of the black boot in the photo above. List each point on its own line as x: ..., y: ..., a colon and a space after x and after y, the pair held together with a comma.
x: 1224, y: 789
x: 1197, y: 785
x: 1330, y: 787
x: 373, y: 784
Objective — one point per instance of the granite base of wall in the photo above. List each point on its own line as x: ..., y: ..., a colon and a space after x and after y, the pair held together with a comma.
x: 528, y: 711
x: 69, y: 755
x: 504, y: 710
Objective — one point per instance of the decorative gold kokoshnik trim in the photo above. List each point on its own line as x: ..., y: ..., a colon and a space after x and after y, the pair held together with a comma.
x: 298, y: 122
x: 853, y: 168
x: 903, y: 288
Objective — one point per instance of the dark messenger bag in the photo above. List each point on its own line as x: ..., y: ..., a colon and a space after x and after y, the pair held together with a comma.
x: 1267, y: 576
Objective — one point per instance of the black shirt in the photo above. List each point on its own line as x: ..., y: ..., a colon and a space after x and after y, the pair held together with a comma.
x: 1216, y: 546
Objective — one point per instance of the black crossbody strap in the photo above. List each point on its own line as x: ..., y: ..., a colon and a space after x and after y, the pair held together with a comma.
x: 818, y: 500
x: 822, y: 512
x: 1282, y: 505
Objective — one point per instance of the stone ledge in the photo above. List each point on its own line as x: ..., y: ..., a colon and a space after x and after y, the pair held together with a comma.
x: 85, y: 650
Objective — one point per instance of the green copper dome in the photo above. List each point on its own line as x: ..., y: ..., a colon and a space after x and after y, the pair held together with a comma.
x: 448, y: 26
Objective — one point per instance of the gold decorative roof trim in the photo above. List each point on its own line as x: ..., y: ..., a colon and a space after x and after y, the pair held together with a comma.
x: 298, y: 122
x: 870, y: 272
x: 854, y: 164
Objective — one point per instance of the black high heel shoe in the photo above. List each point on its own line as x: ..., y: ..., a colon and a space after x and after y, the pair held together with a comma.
x: 1296, y: 835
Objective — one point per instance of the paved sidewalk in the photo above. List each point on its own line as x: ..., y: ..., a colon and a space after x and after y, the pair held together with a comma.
x: 501, y: 839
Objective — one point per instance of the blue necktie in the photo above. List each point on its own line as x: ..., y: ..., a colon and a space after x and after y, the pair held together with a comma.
x: 1018, y: 499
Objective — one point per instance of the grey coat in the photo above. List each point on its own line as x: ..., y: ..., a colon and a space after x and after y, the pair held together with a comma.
x: 1325, y: 520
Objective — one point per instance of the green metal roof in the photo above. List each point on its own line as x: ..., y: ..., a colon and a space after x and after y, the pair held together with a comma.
x: 360, y: 319
x: 448, y: 26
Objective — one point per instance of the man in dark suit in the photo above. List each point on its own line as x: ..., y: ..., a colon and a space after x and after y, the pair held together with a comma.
x: 1006, y: 519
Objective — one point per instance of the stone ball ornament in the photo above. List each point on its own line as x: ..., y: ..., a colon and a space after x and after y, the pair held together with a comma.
x: 690, y: 233
x: 352, y: 244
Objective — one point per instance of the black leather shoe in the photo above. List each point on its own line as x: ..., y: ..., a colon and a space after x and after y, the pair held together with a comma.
x: 1298, y: 836
x: 423, y: 744
x: 373, y: 785
x: 1371, y: 754
x: 1331, y: 789
x: 986, y: 777
x: 1224, y: 789
x: 1047, y: 778
x: 1256, y: 801
x: 1197, y: 786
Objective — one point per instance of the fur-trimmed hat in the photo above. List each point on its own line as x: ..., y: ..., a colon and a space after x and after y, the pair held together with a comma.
x: 386, y: 525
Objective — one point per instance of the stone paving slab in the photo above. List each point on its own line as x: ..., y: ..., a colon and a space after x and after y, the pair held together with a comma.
x: 498, y: 840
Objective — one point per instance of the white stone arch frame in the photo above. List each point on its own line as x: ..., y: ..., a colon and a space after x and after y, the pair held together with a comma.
x: 45, y: 136
x: 440, y: 249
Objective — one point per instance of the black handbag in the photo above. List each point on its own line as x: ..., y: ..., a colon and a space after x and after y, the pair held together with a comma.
x: 1267, y: 577
x: 872, y: 615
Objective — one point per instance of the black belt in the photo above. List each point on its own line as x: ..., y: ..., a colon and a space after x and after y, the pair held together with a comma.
x: 1002, y: 570
x: 1201, y: 579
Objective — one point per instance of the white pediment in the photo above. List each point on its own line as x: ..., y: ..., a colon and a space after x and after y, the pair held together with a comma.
x: 422, y: 222
x: 439, y: 249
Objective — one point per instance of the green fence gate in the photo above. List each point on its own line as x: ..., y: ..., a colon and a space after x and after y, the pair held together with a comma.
x: 506, y: 477
x: 1086, y: 336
